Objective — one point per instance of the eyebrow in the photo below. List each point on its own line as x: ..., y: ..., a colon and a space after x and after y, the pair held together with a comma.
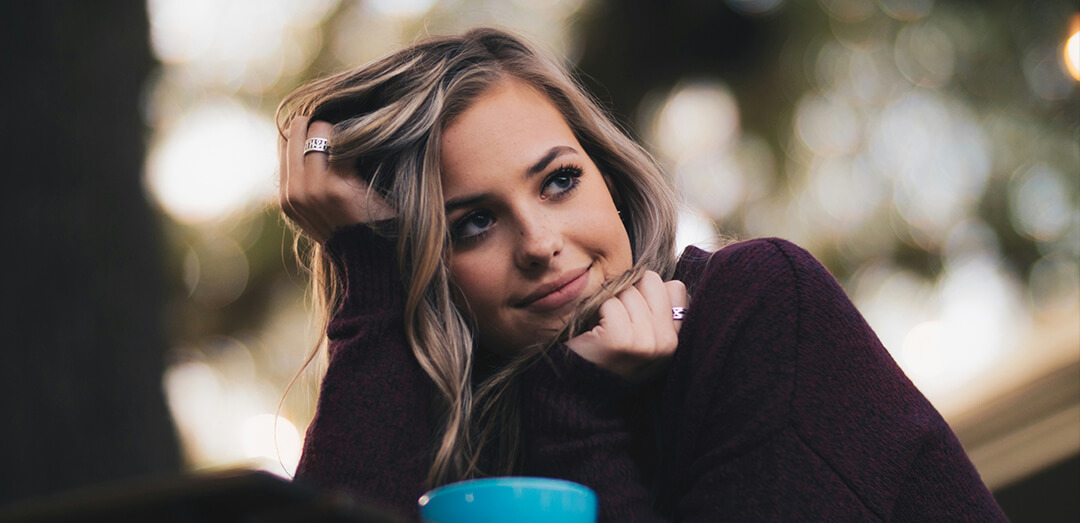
x: 534, y: 169
x: 464, y: 201
x: 548, y: 157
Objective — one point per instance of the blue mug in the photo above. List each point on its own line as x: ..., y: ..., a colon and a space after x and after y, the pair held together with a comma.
x: 516, y: 499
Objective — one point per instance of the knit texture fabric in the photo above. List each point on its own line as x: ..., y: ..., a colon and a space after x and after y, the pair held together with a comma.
x: 780, y: 404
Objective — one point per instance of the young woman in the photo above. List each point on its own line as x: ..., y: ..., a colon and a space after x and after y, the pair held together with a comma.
x: 496, y: 261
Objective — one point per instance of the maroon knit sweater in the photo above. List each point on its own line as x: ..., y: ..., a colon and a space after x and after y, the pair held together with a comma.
x: 780, y: 405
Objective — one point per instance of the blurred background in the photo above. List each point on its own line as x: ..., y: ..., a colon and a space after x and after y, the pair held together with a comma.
x: 925, y: 150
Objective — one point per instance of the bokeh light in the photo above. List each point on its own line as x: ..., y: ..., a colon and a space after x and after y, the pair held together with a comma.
x: 402, y: 8
x: 222, y: 407
x: 273, y: 441
x: 925, y: 54
x: 1055, y: 282
x: 828, y: 126
x: 906, y: 10
x: 373, y: 34
x: 1044, y: 74
x: 695, y: 229
x: 238, y: 43
x: 937, y: 155
x: 847, y: 192
x: 1043, y: 205
x: 850, y: 11
x: 893, y: 300
x: 219, y: 158
x: 1071, y: 50
x: 699, y: 118
x: 216, y: 272
x: 193, y: 391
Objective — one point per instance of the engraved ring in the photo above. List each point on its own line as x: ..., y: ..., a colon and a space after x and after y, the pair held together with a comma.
x: 678, y: 313
x: 318, y: 145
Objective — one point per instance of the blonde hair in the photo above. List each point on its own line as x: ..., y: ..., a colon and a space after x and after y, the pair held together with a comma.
x: 388, y: 116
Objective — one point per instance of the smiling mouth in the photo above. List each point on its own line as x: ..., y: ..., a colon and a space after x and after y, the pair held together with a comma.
x: 557, y: 294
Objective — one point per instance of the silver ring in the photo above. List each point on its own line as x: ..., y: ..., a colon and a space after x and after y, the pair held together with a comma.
x: 317, y: 145
x: 678, y: 313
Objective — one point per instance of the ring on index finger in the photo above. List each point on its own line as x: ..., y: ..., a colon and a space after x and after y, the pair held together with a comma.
x: 678, y: 313
x: 317, y: 145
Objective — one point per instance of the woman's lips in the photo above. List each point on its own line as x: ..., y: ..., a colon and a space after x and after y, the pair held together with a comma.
x: 562, y: 294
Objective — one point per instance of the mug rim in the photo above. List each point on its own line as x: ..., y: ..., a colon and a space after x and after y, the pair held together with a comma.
x: 530, y: 482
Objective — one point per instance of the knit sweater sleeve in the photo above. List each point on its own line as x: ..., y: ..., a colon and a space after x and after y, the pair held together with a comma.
x: 371, y: 433
x: 786, y: 406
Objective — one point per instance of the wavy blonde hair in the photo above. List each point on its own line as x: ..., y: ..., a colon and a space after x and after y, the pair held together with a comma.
x: 388, y: 116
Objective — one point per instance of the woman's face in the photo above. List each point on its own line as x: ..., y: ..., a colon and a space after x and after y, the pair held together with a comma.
x: 535, y: 230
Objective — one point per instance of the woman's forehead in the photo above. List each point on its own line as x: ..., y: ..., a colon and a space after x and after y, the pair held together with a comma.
x: 507, y: 129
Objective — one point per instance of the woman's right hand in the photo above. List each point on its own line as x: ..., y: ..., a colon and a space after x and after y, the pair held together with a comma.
x: 318, y: 197
x: 637, y: 333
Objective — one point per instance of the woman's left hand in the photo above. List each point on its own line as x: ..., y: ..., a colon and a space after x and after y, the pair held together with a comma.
x: 318, y: 197
x: 637, y: 333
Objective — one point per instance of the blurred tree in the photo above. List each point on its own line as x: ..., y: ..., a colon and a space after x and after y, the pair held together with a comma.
x: 636, y: 47
x: 82, y: 299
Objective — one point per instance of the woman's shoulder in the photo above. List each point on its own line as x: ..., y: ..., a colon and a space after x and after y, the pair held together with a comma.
x: 760, y: 263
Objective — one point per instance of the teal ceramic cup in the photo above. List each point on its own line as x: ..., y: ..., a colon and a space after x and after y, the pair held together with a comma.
x: 511, y: 499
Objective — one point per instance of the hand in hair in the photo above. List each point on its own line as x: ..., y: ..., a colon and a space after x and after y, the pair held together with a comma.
x: 318, y: 197
x: 636, y: 335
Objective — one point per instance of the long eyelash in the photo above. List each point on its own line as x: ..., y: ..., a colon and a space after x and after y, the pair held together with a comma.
x: 572, y: 171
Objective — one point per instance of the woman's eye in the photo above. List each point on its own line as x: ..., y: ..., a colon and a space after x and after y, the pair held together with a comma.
x: 473, y: 225
x: 562, y: 182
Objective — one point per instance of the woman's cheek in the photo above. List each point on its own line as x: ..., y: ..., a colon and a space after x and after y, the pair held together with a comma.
x: 609, y: 239
x: 473, y: 280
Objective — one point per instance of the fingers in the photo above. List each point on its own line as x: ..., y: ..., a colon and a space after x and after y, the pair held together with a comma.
x: 636, y: 334
x: 315, y: 162
x: 295, y: 156
x: 659, y: 302
x: 318, y: 185
x: 311, y: 194
x: 638, y: 320
x: 290, y: 152
x: 305, y: 181
x: 637, y: 308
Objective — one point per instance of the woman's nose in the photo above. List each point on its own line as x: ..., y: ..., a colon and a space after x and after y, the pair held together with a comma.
x: 539, y: 242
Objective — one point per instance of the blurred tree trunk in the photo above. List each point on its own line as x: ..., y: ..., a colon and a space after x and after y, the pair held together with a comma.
x: 82, y: 296
x: 636, y: 47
